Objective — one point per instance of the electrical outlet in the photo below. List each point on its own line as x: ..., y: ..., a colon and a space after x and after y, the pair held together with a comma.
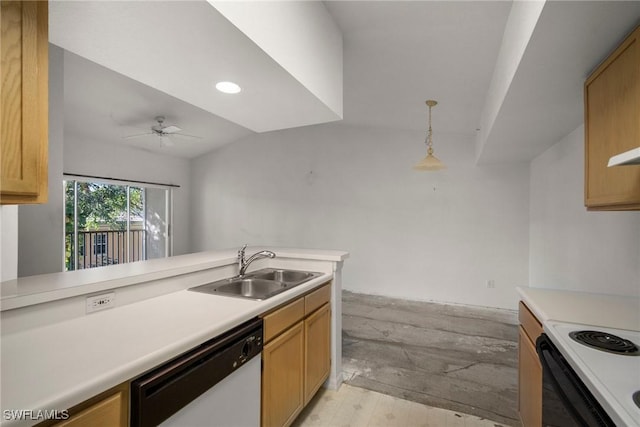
x: 491, y: 284
x: 101, y: 302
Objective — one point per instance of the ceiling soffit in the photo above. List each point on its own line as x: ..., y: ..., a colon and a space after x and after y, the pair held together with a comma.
x: 543, y: 99
x: 183, y: 49
x: 105, y: 107
x: 301, y: 36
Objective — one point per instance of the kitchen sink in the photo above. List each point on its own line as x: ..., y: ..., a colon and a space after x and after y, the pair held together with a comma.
x: 258, y: 285
x: 251, y: 288
x: 285, y: 276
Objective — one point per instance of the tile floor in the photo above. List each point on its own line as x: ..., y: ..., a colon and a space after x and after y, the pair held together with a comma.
x: 357, y: 407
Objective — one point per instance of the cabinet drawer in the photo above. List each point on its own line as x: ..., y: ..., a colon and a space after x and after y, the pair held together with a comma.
x: 317, y: 299
x: 281, y: 319
x: 529, y: 322
x: 105, y: 413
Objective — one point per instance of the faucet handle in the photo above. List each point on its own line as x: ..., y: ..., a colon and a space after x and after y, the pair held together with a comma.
x: 241, y: 252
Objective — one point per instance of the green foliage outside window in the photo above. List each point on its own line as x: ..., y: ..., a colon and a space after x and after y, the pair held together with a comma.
x: 100, y: 206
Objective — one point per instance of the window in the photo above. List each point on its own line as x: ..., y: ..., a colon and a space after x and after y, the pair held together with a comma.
x: 100, y: 243
x: 115, y: 222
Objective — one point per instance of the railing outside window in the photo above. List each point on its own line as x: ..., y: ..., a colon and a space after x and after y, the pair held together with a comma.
x: 105, y: 247
x: 113, y: 222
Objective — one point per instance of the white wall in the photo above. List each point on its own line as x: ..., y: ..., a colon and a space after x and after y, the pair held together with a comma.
x: 425, y: 236
x: 86, y: 157
x: 8, y: 242
x: 41, y: 227
x: 570, y: 247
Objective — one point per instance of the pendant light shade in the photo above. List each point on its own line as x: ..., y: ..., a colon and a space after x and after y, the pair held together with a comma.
x: 431, y: 162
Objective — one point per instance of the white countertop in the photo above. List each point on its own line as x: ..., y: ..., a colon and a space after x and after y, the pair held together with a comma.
x: 60, y: 365
x: 612, y: 311
x: 32, y: 290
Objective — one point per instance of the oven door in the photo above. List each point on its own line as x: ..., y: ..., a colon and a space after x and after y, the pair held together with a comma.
x: 566, y: 401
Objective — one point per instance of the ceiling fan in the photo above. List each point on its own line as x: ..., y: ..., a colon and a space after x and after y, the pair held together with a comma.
x: 163, y: 132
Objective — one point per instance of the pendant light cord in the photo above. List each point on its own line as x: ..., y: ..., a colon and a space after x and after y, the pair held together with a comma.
x: 429, y: 135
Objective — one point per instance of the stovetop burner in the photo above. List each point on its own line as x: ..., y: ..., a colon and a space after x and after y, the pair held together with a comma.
x: 606, y: 342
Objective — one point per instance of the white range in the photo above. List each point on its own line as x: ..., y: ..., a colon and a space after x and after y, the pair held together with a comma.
x: 612, y: 378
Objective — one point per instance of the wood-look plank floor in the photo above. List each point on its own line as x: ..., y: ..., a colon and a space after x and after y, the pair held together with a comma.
x: 454, y: 357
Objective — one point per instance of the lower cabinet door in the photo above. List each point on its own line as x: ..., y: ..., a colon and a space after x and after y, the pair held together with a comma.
x: 529, y: 382
x: 111, y: 410
x: 317, y: 342
x: 283, y: 378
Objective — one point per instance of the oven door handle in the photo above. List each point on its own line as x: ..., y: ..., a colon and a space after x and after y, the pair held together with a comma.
x: 575, y: 396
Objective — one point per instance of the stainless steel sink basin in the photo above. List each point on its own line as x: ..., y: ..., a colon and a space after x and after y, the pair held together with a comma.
x: 258, y: 285
x: 285, y: 276
x: 245, y: 287
x: 251, y: 288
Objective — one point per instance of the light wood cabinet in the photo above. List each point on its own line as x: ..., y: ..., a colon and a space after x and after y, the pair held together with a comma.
x: 108, y: 409
x: 24, y: 101
x: 296, y: 356
x: 612, y: 126
x: 316, y: 299
x: 317, y: 345
x: 283, y: 377
x: 529, y: 369
x: 529, y: 382
x: 281, y: 319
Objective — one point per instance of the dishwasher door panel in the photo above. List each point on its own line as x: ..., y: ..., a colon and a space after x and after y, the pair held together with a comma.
x: 214, y: 384
x: 233, y: 402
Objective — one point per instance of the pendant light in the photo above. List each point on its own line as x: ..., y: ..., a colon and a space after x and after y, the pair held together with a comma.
x: 431, y: 162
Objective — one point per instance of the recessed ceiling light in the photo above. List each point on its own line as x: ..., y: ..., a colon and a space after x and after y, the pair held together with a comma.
x: 228, y: 87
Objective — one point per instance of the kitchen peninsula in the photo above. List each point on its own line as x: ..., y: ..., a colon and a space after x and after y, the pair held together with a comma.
x: 50, y: 341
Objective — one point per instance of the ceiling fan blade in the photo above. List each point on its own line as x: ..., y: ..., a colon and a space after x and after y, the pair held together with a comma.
x: 185, y: 135
x: 137, y: 135
x: 170, y: 129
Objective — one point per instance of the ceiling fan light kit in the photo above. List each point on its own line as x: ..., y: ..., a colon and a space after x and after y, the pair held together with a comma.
x: 160, y: 128
x: 430, y: 162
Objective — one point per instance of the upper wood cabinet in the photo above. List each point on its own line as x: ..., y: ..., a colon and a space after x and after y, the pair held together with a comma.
x: 24, y: 103
x: 612, y: 126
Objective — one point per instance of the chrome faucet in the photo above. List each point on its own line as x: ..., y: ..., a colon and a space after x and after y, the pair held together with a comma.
x: 243, y: 263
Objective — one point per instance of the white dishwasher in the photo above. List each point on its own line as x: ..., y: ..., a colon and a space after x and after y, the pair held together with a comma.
x: 215, y: 384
